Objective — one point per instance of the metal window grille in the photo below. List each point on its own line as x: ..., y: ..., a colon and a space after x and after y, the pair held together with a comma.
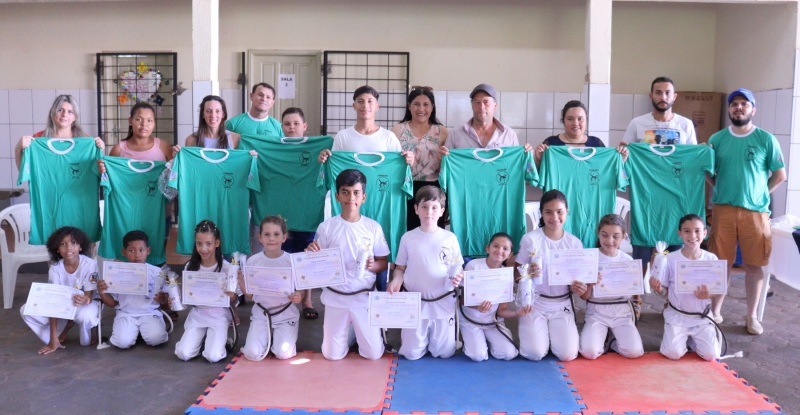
x: 345, y: 71
x: 123, y: 79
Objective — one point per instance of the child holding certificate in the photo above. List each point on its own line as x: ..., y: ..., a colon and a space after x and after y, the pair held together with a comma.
x: 71, y: 268
x: 614, y: 313
x: 551, y: 323
x: 137, y: 314
x: 206, y: 321
x: 424, y: 261
x: 272, y: 315
x: 346, y: 305
x: 687, y: 322
x: 485, y: 323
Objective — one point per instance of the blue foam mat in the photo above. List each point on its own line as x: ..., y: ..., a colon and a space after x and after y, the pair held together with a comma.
x: 459, y: 385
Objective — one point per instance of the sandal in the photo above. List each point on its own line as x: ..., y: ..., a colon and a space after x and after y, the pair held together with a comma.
x: 310, y: 314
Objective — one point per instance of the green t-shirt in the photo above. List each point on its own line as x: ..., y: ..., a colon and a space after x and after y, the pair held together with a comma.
x: 287, y: 174
x: 667, y: 183
x: 743, y: 164
x: 589, y: 178
x: 245, y: 124
x: 213, y: 184
x: 133, y: 202
x: 389, y: 186
x: 63, y: 186
x: 486, y: 194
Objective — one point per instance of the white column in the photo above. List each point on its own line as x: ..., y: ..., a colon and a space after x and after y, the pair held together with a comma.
x: 792, y: 160
x: 598, y: 66
x: 205, y: 52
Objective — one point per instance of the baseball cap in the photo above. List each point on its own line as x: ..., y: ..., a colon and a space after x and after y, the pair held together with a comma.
x: 483, y: 88
x: 741, y: 92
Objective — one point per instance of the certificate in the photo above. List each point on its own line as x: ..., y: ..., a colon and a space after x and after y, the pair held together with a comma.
x: 276, y: 282
x: 394, y: 311
x: 205, y: 288
x: 568, y: 265
x: 51, y: 300
x: 692, y: 274
x: 495, y: 285
x: 323, y: 268
x: 619, y: 279
x: 125, y: 278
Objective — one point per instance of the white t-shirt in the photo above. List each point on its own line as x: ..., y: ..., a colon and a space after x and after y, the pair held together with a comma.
x: 423, y: 255
x: 350, y: 140
x: 645, y: 128
x: 473, y: 313
x: 613, y: 310
x: 206, y: 316
x: 351, y: 236
x: 80, y: 279
x: 685, y: 302
x: 141, y: 305
x: 537, y: 241
x: 269, y: 301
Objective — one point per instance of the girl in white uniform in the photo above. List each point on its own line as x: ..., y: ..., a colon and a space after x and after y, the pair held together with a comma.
x: 551, y: 324
x: 68, y: 267
x: 614, y: 313
x: 137, y: 314
x: 682, y: 331
x: 490, y: 317
x: 277, y: 311
x: 211, y: 322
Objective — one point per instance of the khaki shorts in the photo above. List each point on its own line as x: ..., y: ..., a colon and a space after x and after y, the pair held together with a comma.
x: 732, y: 224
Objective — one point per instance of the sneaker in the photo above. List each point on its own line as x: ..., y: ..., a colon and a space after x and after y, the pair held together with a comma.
x: 753, y: 326
x: 718, y: 318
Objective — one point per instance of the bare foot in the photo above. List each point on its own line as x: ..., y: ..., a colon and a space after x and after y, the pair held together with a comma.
x: 62, y: 338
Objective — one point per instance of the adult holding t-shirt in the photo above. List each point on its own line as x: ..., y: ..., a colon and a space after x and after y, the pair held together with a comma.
x: 257, y: 120
x: 744, y: 157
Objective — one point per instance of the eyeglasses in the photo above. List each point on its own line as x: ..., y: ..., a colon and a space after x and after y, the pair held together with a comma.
x: 421, y: 88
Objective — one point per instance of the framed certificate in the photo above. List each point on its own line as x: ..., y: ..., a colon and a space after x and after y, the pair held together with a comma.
x: 277, y: 282
x: 568, y: 265
x: 323, y: 268
x: 51, y: 300
x: 125, y: 278
x: 692, y: 274
x: 495, y: 285
x: 205, y: 288
x: 619, y: 279
x: 394, y: 311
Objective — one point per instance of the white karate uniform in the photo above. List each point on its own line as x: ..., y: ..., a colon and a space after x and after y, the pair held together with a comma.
x: 347, y: 315
x: 681, y: 330
x: 139, y: 314
x: 476, y: 336
x: 617, y: 317
x: 284, y: 325
x: 551, y: 323
x: 87, y: 316
x: 423, y: 254
x: 211, y: 322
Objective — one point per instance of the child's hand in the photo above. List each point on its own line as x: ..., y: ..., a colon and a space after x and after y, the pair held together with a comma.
x: 394, y: 286
x: 370, y: 261
x: 655, y: 285
x: 323, y: 156
x: 524, y: 311
x: 99, y: 143
x: 101, y: 166
x: 254, y: 153
x: 457, y: 279
x: 296, y: 297
x: 102, y: 286
x: 579, y: 287
x: 701, y: 292
x: 485, y: 306
x: 80, y: 300
x: 161, y: 298
x: 51, y: 347
x: 313, y: 246
x: 409, y: 156
x: 534, y: 270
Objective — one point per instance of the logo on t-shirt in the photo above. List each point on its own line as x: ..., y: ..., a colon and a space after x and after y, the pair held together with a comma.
x: 383, y: 182
x: 227, y: 180
x: 750, y: 153
x: 594, y: 176
x: 305, y: 158
x: 152, y: 188
x: 75, y: 170
x: 677, y: 169
x: 502, y: 176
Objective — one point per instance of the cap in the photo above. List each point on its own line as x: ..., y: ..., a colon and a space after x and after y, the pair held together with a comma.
x: 483, y: 88
x: 741, y: 92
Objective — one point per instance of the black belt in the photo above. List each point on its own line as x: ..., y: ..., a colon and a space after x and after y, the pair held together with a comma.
x: 268, y: 314
x: 363, y: 290
x: 495, y: 323
x: 556, y: 297
x: 628, y: 302
x: 447, y: 294
x: 705, y: 314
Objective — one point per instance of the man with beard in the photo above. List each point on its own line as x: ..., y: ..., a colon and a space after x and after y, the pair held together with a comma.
x: 661, y: 126
x: 744, y: 157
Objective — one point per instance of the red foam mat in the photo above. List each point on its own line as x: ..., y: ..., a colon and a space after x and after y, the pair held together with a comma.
x: 653, y: 383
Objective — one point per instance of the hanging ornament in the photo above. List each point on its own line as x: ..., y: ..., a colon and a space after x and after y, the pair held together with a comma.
x: 122, y: 99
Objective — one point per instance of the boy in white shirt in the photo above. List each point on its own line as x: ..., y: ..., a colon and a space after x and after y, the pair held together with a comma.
x: 346, y: 308
x: 423, y: 259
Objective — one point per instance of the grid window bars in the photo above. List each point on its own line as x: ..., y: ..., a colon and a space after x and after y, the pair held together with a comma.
x: 344, y: 72
x: 123, y: 79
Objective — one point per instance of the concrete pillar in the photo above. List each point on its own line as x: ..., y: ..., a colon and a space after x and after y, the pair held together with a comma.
x: 205, y: 50
x: 598, y: 67
x: 792, y: 160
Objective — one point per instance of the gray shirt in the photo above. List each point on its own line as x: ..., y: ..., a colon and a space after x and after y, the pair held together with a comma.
x: 466, y: 137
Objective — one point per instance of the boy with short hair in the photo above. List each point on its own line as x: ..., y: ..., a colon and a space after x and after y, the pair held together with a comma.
x: 346, y: 305
x: 137, y: 314
x: 423, y: 262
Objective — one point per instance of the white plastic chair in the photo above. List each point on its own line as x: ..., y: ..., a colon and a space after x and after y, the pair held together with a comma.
x: 624, y: 210
x: 532, y: 215
x: 19, y: 219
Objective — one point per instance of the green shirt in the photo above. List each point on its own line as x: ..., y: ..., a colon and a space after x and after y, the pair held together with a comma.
x: 287, y: 174
x: 213, y: 184
x: 667, y: 183
x: 245, y: 124
x: 743, y: 164
x: 389, y: 186
x: 589, y: 178
x: 63, y: 186
x: 133, y: 202
x: 486, y: 194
